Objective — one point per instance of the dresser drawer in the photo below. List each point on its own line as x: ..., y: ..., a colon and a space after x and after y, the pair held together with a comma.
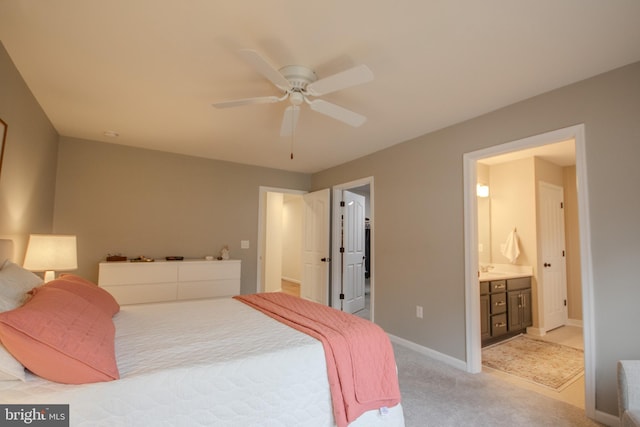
x: 498, y: 303
x: 519, y: 283
x: 141, y: 293
x: 498, y: 286
x: 133, y: 273
x: 499, y: 324
x: 208, y: 270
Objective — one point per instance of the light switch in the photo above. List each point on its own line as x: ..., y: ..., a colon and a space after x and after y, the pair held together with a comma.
x: 244, y: 244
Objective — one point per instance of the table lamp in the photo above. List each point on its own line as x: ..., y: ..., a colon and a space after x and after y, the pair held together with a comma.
x: 51, y: 253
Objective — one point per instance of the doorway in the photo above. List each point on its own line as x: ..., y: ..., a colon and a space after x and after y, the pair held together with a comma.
x: 279, y: 238
x: 474, y: 354
x: 533, y: 190
x: 362, y: 188
x: 342, y: 283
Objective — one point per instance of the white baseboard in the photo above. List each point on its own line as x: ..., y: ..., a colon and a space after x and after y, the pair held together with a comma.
x: 541, y: 332
x: 535, y: 331
x: 607, y: 419
x: 575, y: 322
x: 288, y: 279
x: 451, y: 361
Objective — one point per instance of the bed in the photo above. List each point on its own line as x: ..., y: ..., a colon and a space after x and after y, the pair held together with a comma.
x: 204, y: 362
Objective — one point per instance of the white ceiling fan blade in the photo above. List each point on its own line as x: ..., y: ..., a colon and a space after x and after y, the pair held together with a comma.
x: 289, y: 120
x: 248, y: 101
x: 351, y: 77
x: 265, y: 68
x: 337, y: 112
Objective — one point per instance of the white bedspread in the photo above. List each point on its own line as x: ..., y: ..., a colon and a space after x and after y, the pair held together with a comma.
x: 206, y: 362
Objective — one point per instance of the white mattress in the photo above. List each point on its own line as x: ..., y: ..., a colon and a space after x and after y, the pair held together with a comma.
x: 206, y: 362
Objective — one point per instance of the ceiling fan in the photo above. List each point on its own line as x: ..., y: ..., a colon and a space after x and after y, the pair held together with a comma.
x: 299, y: 84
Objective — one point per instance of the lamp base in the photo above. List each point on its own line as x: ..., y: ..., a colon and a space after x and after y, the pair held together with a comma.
x: 49, y: 275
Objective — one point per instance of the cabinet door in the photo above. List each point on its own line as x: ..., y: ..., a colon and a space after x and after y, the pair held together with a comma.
x: 527, y: 313
x: 485, y: 325
x: 515, y: 316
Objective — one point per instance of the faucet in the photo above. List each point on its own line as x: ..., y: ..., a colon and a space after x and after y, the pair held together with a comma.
x: 486, y: 268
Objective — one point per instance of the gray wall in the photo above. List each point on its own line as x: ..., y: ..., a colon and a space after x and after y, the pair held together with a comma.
x: 27, y: 178
x: 419, y: 244
x: 133, y: 201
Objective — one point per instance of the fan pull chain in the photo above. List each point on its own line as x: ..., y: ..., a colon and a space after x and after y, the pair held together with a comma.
x: 293, y: 130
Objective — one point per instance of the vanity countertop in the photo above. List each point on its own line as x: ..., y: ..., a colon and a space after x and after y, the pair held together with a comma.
x: 486, y: 277
x: 505, y: 271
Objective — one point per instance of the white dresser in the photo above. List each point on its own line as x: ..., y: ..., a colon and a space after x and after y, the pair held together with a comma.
x: 141, y: 282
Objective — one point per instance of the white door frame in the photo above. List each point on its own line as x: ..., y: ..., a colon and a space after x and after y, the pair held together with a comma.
x: 335, y: 240
x: 261, y: 228
x: 472, y: 301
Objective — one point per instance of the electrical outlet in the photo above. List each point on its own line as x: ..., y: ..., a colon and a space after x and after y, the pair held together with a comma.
x: 419, y: 311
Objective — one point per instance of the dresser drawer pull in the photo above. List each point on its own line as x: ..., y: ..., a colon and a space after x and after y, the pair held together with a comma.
x: 500, y: 325
x: 500, y: 303
x: 500, y: 286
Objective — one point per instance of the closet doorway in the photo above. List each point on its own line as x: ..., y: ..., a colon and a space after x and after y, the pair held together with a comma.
x: 352, y: 270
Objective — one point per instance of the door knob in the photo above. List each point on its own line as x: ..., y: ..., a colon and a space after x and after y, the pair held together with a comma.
x: 325, y: 259
x: 546, y: 264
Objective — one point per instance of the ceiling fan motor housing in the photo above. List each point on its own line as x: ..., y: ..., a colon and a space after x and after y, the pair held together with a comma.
x: 298, y: 76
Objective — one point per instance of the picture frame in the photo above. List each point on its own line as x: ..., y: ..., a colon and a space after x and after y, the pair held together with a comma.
x: 3, y: 139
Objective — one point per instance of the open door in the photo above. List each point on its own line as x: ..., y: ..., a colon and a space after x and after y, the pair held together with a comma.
x: 353, y: 232
x: 315, y: 247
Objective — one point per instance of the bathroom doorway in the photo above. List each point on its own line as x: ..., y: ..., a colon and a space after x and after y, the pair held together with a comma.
x: 534, y: 191
x: 471, y: 162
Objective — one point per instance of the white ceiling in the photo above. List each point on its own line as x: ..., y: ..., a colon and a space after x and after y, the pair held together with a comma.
x: 150, y: 69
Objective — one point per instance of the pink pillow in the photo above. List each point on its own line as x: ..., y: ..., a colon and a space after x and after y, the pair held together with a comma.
x: 87, y: 290
x: 61, y: 336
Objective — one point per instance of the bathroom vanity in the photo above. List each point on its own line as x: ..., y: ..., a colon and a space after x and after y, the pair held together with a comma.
x: 505, y: 306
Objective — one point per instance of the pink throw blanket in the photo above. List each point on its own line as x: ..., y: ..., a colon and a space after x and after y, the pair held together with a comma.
x: 360, y: 362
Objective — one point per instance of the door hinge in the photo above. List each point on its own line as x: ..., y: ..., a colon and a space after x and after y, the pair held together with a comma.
x: 342, y: 250
x: 565, y: 303
x: 563, y: 253
x: 342, y: 204
x: 561, y: 205
x: 341, y: 296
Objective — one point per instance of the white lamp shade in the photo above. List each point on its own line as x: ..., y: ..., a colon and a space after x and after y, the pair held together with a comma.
x: 51, y: 252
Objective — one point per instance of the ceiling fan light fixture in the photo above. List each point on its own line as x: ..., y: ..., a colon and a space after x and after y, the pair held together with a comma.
x: 296, y: 98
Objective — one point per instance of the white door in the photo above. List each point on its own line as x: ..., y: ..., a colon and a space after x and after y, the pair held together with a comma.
x: 553, y: 269
x: 315, y: 247
x: 354, y: 252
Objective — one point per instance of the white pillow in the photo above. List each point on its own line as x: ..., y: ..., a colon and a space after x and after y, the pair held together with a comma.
x: 15, y: 282
x: 10, y: 368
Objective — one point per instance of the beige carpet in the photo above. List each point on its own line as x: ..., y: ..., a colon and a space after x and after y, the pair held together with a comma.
x: 549, y: 364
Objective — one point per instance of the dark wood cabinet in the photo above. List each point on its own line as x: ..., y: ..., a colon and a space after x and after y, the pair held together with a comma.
x: 520, y: 309
x: 505, y: 308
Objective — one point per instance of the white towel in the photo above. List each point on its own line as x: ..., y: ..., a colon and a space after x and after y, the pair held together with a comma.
x: 511, y: 249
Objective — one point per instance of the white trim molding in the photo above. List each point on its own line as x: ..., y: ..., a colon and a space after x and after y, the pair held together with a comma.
x: 473, y: 340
